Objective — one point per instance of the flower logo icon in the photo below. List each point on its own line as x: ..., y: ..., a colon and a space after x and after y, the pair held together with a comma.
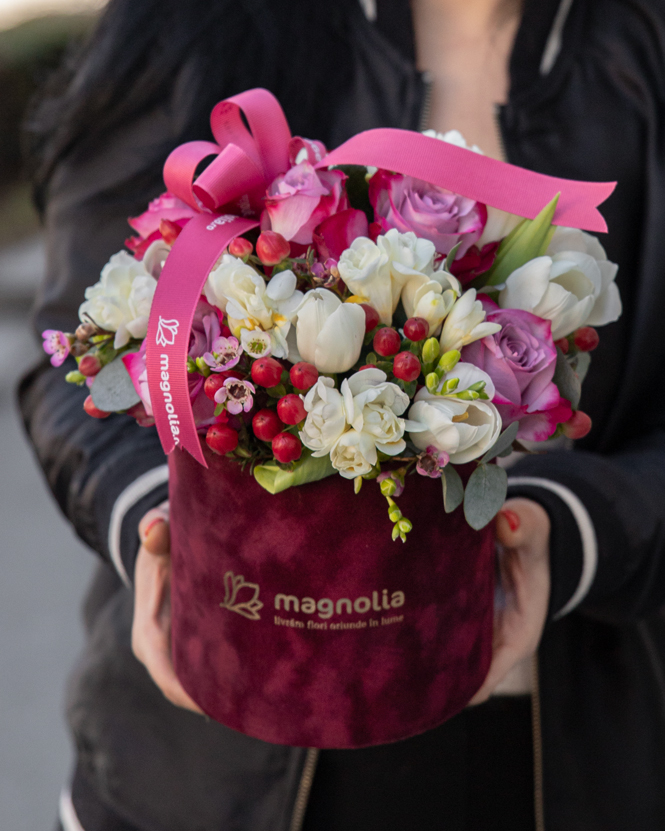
x: 166, y: 332
x: 241, y: 597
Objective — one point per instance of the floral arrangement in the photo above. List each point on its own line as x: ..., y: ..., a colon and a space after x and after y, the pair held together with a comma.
x: 376, y: 326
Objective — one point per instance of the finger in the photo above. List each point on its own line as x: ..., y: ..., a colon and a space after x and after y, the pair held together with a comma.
x: 157, y: 661
x: 503, y: 660
x: 154, y: 531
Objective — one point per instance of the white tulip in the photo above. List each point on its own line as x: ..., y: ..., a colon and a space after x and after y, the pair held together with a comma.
x: 607, y: 305
x: 564, y: 289
x: 329, y: 333
x: 465, y: 323
x: 326, y: 419
x: 463, y: 429
x: 120, y: 302
x: 251, y: 303
x: 499, y: 224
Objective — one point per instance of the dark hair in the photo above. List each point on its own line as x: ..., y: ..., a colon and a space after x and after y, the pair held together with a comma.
x: 189, y: 54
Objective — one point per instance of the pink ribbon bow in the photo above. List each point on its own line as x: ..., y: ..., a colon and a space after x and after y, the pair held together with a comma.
x: 228, y: 196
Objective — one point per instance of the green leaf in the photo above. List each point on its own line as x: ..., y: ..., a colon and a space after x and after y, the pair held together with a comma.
x: 275, y: 480
x: 485, y: 494
x: 453, y: 489
x: 504, y: 442
x: 581, y: 363
x: 566, y: 380
x: 219, y: 409
x: 277, y: 392
x: 450, y: 259
x: 113, y: 389
x: 527, y: 241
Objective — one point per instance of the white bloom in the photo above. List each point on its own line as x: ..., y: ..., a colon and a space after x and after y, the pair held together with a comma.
x: 250, y: 303
x: 463, y: 429
x: 499, y: 224
x: 155, y: 257
x: 354, y: 454
x: 607, y: 305
x: 453, y: 137
x: 564, y: 289
x: 329, y: 333
x: 378, y: 271
x: 431, y: 297
x: 464, y: 323
x: 326, y: 419
x: 120, y: 302
x: 255, y: 342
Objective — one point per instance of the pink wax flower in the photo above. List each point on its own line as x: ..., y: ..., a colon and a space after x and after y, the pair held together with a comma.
x: 433, y: 213
x: 56, y: 344
x: 237, y: 395
x: 300, y: 199
x: 224, y: 354
x: 432, y: 462
x: 336, y: 233
x: 521, y: 359
x: 167, y: 206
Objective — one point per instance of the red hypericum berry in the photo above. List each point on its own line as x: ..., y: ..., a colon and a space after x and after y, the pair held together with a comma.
x: 271, y: 248
x: 372, y: 318
x: 169, y: 230
x: 89, y: 365
x: 216, y: 380
x: 267, y: 372
x: 563, y: 345
x: 577, y: 426
x: 291, y: 409
x: 586, y: 339
x: 286, y: 448
x: 93, y: 411
x: 266, y: 425
x: 387, y: 342
x: 416, y: 329
x: 240, y: 247
x: 367, y: 366
x: 303, y: 375
x: 406, y: 366
x: 221, y: 439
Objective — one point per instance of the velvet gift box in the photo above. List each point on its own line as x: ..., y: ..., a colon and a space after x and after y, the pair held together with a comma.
x: 297, y: 620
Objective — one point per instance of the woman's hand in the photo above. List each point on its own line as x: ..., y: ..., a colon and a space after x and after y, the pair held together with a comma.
x: 523, y: 535
x: 151, y: 628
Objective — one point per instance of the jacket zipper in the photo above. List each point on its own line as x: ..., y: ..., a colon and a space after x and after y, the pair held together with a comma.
x: 304, y: 789
x: 499, y: 132
x: 426, y: 109
x: 536, y: 725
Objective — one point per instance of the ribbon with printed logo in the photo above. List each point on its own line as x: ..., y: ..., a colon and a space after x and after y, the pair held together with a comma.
x: 228, y: 197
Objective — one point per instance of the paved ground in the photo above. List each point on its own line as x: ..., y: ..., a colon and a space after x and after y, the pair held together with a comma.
x: 44, y: 570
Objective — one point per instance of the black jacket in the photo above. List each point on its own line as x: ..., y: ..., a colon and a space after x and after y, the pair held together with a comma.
x: 592, y: 109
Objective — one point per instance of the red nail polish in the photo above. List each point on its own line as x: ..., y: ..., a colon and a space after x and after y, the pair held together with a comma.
x: 512, y: 519
x: 151, y: 525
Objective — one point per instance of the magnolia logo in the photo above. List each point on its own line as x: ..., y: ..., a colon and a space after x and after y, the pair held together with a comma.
x: 241, y: 597
x: 220, y: 220
x: 166, y: 332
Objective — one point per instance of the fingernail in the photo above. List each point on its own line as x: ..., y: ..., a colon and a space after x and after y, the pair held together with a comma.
x: 512, y: 519
x: 145, y: 531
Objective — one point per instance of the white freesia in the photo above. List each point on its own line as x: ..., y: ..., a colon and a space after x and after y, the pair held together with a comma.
x: 431, y: 297
x: 607, y: 305
x: 155, y: 257
x: 326, y: 418
x: 465, y: 323
x: 564, y: 289
x: 378, y: 271
x: 120, y: 302
x: 353, y: 453
x: 255, y: 342
x: 463, y: 429
x: 250, y: 303
x: 329, y: 333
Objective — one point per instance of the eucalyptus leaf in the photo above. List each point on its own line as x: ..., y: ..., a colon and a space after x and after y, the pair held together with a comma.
x: 527, y: 241
x: 566, y: 380
x: 113, y: 389
x: 485, y: 494
x: 581, y: 364
x: 503, y: 443
x: 275, y: 480
x: 453, y: 489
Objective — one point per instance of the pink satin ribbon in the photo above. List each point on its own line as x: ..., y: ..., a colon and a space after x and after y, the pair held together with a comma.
x: 228, y: 195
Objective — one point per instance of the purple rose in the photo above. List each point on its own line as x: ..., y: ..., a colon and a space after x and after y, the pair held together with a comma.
x: 520, y: 359
x: 429, y: 211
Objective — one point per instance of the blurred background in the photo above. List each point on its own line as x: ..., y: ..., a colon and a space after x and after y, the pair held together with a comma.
x: 44, y: 569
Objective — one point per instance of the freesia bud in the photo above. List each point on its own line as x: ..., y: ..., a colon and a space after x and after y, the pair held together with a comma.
x: 388, y: 487
x: 357, y: 484
x: 467, y: 395
x: 448, y: 361
x: 405, y: 525
x: 449, y: 386
x: 272, y: 248
x: 432, y: 382
x: 431, y: 350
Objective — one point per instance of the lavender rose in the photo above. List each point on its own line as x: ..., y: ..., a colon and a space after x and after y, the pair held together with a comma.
x: 520, y: 359
x: 431, y: 212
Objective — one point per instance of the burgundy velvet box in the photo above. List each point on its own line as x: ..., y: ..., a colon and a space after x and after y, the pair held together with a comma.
x: 297, y: 620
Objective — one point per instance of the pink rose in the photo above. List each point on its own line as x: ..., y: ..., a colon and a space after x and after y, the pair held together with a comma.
x: 165, y: 207
x: 520, y: 359
x: 430, y: 212
x: 300, y: 199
